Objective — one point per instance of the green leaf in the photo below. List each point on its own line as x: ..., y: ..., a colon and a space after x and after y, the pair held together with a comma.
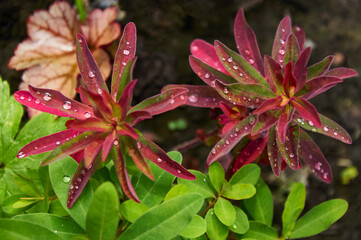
x: 239, y: 191
x: 166, y: 220
x: 319, y: 68
x: 241, y: 224
x: 260, y: 206
x: 216, y: 174
x: 21, y: 230
x: 259, y: 230
x: 249, y: 173
x: 102, y: 217
x: 14, y: 204
x: 225, y: 211
x: 177, y: 190
x: 27, y: 186
x: 56, y: 208
x: 131, y: 210
x: 201, y: 185
x: 151, y: 192
x: 215, y: 229
x: 59, y: 172
x: 196, y: 228
x: 293, y: 207
x: 319, y: 218
x: 65, y: 228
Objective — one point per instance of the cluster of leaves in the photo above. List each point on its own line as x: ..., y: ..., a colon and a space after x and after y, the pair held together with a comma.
x: 267, y: 101
x: 49, y: 54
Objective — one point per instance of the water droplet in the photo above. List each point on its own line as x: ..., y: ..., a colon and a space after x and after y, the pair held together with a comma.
x: 314, y: 130
x: 291, y: 155
x: 335, y: 133
x: 283, y: 30
x: 21, y: 155
x: 325, y: 175
x: 251, y: 61
x: 282, y: 52
x: 240, y: 74
x: 139, y: 145
x: 310, y: 122
x: 83, y: 172
x: 193, y: 98
x: 67, y: 105
x: 194, y: 48
x: 245, y: 128
x: 116, y: 142
x: 47, y: 96
x: 179, y: 171
x: 66, y: 179
x: 55, y: 231
x: 318, y: 166
x: 299, y: 120
x: 124, y: 63
x: 78, y: 180
x: 126, y: 52
x: 57, y: 143
x: 91, y: 74
x: 76, y: 187
x: 87, y: 115
x: 71, y: 186
x: 22, y: 97
x: 325, y: 128
x: 235, y: 67
x: 230, y: 59
x: 204, y: 180
x: 234, y: 226
x: 227, y: 142
x: 223, y: 59
x: 225, y: 90
x: 282, y: 41
x: 127, y: 43
x: 213, y: 151
x: 252, y: 121
x: 159, y: 160
x: 237, y: 129
x: 29, y: 99
x: 206, y: 75
x: 100, y: 91
x: 37, y: 101
x: 80, y: 41
x: 257, y: 100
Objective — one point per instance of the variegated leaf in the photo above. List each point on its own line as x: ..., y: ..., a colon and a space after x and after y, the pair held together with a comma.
x: 279, y: 43
x: 318, y: 69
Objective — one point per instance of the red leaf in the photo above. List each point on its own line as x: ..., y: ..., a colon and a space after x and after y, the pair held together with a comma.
x: 206, y: 52
x: 54, y: 99
x: 231, y: 138
x: 162, y: 102
x: 274, y: 75
x: 92, y: 151
x: 289, y: 149
x: 239, y: 68
x: 134, y: 153
x: 264, y: 122
x: 247, y: 42
x: 300, y: 70
x: 90, y: 124
x: 269, y: 104
x: 122, y: 173
x: 292, y: 50
x: 274, y: 156
x: 199, y: 96
x: 313, y: 157
x: 307, y: 110
x: 125, y: 53
x: 328, y: 128
x: 47, y: 143
x: 126, y: 98
x: 250, y: 153
x: 107, y: 144
x: 125, y: 129
x: 137, y: 116
x: 155, y: 154
x: 283, y: 122
x: 25, y: 98
x: 341, y: 73
x: 79, y: 180
x: 317, y: 86
x: 289, y: 80
x: 279, y: 44
x: 97, y: 102
x: 301, y: 36
x: 318, y: 69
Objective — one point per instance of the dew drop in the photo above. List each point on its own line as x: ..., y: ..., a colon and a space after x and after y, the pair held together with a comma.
x: 318, y: 166
x: 204, y: 180
x: 213, y: 83
x: 76, y: 187
x: 225, y: 90
x: 234, y: 226
x: 71, y: 186
x: 182, y: 97
x: 325, y: 175
x: 66, y: 179
x: 314, y: 130
x: 127, y: 43
x: 55, y: 231
x: 283, y: 30
x: 251, y: 61
x: 299, y: 120
x: 194, y: 48
x: 159, y: 160
x: 87, y: 115
x: 139, y: 145
x: 22, y: 97
x: 335, y: 133
x: 78, y: 180
x: 282, y: 41
x: 47, y: 96
x: 21, y: 155
x: 124, y: 63
x: 252, y: 121
x: 245, y: 128
x: 282, y: 52
x: 223, y: 59
x: 116, y: 142
x: 240, y: 74
x: 236, y: 129
x: 213, y: 151
x: 227, y: 142
x: 80, y: 41
x: 193, y: 98
x: 235, y: 67
x: 57, y: 143
x: 29, y: 99
x: 229, y: 59
x: 325, y: 128
x: 291, y: 155
x: 67, y: 105
x: 100, y: 91
x: 126, y: 52
x: 37, y: 101
x: 310, y: 122
x: 179, y: 171
x: 206, y: 75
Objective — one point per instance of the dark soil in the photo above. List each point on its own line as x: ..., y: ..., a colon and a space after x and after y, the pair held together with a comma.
x: 165, y: 31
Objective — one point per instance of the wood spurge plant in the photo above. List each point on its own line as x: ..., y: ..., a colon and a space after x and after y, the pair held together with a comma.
x: 81, y: 170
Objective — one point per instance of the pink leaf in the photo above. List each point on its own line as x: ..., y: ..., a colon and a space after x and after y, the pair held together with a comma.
x: 313, y: 157
x: 25, y: 98
x: 108, y: 144
x: 250, y: 153
x: 307, y: 110
x: 301, y: 36
x: 274, y: 75
x: 78, y: 156
x: 125, y: 53
x: 318, y: 69
x: 89, y: 69
x: 289, y: 148
x: 328, y: 128
x: 162, y: 102
x: 208, y: 74
x: 204, y: 51
x: 137, y: 116
x: 264, y: 122
x: 54, y: 99
x: 155, y: 154
x: 341, y: 73
x: 300, y: 70
x: 90, y: 124
x: 247, y: 42
x: 283, y: 122
x: 126, y: 98
x: 231, y: 138
x: 199, y: 96
x: 289, y: 80
x: 269, y: 104
x: 274, y: 156
x: 98, y: 104
x: 317, y: 86
x: 122, y: 173
x: 239, y: 68
x: 92, y: 151
x: 279, y: 44
x: 47, y: 143
x: 125, y: 129
x: 79, y: 180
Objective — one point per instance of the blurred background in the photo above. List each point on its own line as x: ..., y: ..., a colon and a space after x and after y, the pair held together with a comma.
x: 165, y: 30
